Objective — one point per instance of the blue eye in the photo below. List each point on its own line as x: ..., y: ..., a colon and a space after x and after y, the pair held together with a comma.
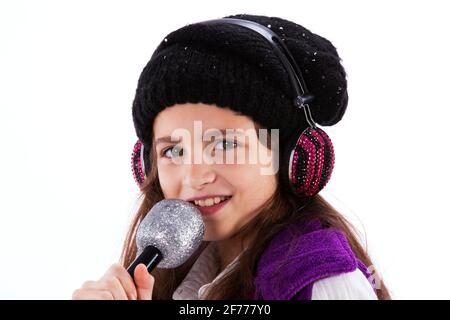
x: 228, y: 144
x: 175, y: 152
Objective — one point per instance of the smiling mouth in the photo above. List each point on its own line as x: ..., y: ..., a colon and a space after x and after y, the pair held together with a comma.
x: 214, y: 204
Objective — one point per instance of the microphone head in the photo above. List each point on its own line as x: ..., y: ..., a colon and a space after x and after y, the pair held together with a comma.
x: 173, y: 226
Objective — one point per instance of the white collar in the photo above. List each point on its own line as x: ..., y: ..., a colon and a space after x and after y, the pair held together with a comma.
x: 202, y: 275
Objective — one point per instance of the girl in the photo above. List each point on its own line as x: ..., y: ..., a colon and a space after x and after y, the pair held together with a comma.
x: 268, y: 235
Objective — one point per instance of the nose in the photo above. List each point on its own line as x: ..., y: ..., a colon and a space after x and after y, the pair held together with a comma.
x: 198, y: 175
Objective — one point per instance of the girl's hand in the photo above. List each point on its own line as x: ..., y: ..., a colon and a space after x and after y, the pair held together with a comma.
x: 117, y: 284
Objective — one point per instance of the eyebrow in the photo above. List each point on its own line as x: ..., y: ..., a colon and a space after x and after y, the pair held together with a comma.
x: 211, y: 132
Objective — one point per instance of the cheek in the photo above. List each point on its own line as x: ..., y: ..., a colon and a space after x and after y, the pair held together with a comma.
x: 251, y: 187
x: 241, y: 174
x: 254, y: 187
x: 168, y: 180
x: 231, y: 172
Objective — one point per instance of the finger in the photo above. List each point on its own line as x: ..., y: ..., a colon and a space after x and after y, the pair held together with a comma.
x: 144, y: 282
x: 90, y: 285
x: 125, y: 279
x: 92, y: 294
x: 113, y: 285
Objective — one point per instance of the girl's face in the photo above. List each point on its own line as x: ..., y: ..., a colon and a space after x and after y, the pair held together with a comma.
x: 181, y: 176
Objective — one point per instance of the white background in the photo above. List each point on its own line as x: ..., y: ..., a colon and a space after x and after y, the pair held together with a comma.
x: 68, y: 71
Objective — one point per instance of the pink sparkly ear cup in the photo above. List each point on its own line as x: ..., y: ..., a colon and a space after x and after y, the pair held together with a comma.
x: 311, y: 162
x: 137, y: 163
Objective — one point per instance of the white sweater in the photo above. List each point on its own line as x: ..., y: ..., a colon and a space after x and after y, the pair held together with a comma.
x: 347, y: 286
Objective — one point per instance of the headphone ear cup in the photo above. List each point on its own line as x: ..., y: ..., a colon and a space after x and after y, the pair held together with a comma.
x: 138, y: 164
x: 311, y: 162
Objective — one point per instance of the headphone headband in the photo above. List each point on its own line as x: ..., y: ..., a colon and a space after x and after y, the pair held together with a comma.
x: 303, y: 97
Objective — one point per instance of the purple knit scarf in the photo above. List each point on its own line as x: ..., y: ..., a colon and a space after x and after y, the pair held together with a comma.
x: 300, y: 255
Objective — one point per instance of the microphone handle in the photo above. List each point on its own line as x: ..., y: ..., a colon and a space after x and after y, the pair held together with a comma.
x: 151, y: 256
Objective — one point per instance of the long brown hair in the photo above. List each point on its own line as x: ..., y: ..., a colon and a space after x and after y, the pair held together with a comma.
x: 278, y: 212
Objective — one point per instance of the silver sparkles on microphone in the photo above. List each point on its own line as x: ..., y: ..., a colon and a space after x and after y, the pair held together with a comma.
x: 168, y: 235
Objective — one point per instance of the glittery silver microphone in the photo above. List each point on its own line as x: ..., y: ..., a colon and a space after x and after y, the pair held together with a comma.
x: 168, y: 235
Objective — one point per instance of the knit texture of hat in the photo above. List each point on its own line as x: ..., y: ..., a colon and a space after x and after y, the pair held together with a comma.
x: 233, y: 67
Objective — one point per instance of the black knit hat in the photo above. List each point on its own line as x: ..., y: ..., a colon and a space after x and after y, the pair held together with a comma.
x: 234, y: 67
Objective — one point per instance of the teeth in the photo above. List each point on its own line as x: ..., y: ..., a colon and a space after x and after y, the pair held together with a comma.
x: 209, y: 202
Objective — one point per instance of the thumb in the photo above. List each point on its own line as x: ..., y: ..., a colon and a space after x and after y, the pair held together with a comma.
x: 144, y: 282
